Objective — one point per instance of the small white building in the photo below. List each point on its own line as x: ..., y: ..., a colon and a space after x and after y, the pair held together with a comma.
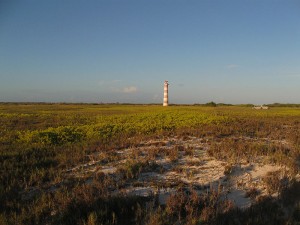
x: 261, y: 107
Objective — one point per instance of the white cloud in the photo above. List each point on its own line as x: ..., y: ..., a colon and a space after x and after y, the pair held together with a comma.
x: 232, y: 66
x: 131, y: 89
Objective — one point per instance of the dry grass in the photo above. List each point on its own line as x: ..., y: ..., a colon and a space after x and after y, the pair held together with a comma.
x: 73, y: 164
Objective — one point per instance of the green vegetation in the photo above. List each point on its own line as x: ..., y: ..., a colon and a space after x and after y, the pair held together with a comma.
x: 40, y: 143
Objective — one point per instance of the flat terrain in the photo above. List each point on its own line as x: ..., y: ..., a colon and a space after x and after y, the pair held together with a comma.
x: 147, y: 164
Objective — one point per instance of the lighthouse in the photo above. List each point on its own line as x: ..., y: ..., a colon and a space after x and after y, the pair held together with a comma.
x: 166, y: 99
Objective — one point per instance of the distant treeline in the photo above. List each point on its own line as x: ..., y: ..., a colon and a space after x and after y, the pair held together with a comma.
x: 283, y: 105
x: 212, y: 104
x: 209, y: 104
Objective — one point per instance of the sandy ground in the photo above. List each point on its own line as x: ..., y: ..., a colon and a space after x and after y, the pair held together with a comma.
x: 193, y: 167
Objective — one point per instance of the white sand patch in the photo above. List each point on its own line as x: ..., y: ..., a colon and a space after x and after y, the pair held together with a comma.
x: 238, y: 198
x: 193, y: 168
x: 163, y: 193
x: 108, y: 169
x: 260, y: 171
x: 140, y: 191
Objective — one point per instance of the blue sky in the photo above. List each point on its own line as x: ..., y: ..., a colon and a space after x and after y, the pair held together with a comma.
x: 242, y: 51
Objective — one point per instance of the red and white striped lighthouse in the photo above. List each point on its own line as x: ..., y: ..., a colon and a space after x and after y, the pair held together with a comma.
x: 166, y: 98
